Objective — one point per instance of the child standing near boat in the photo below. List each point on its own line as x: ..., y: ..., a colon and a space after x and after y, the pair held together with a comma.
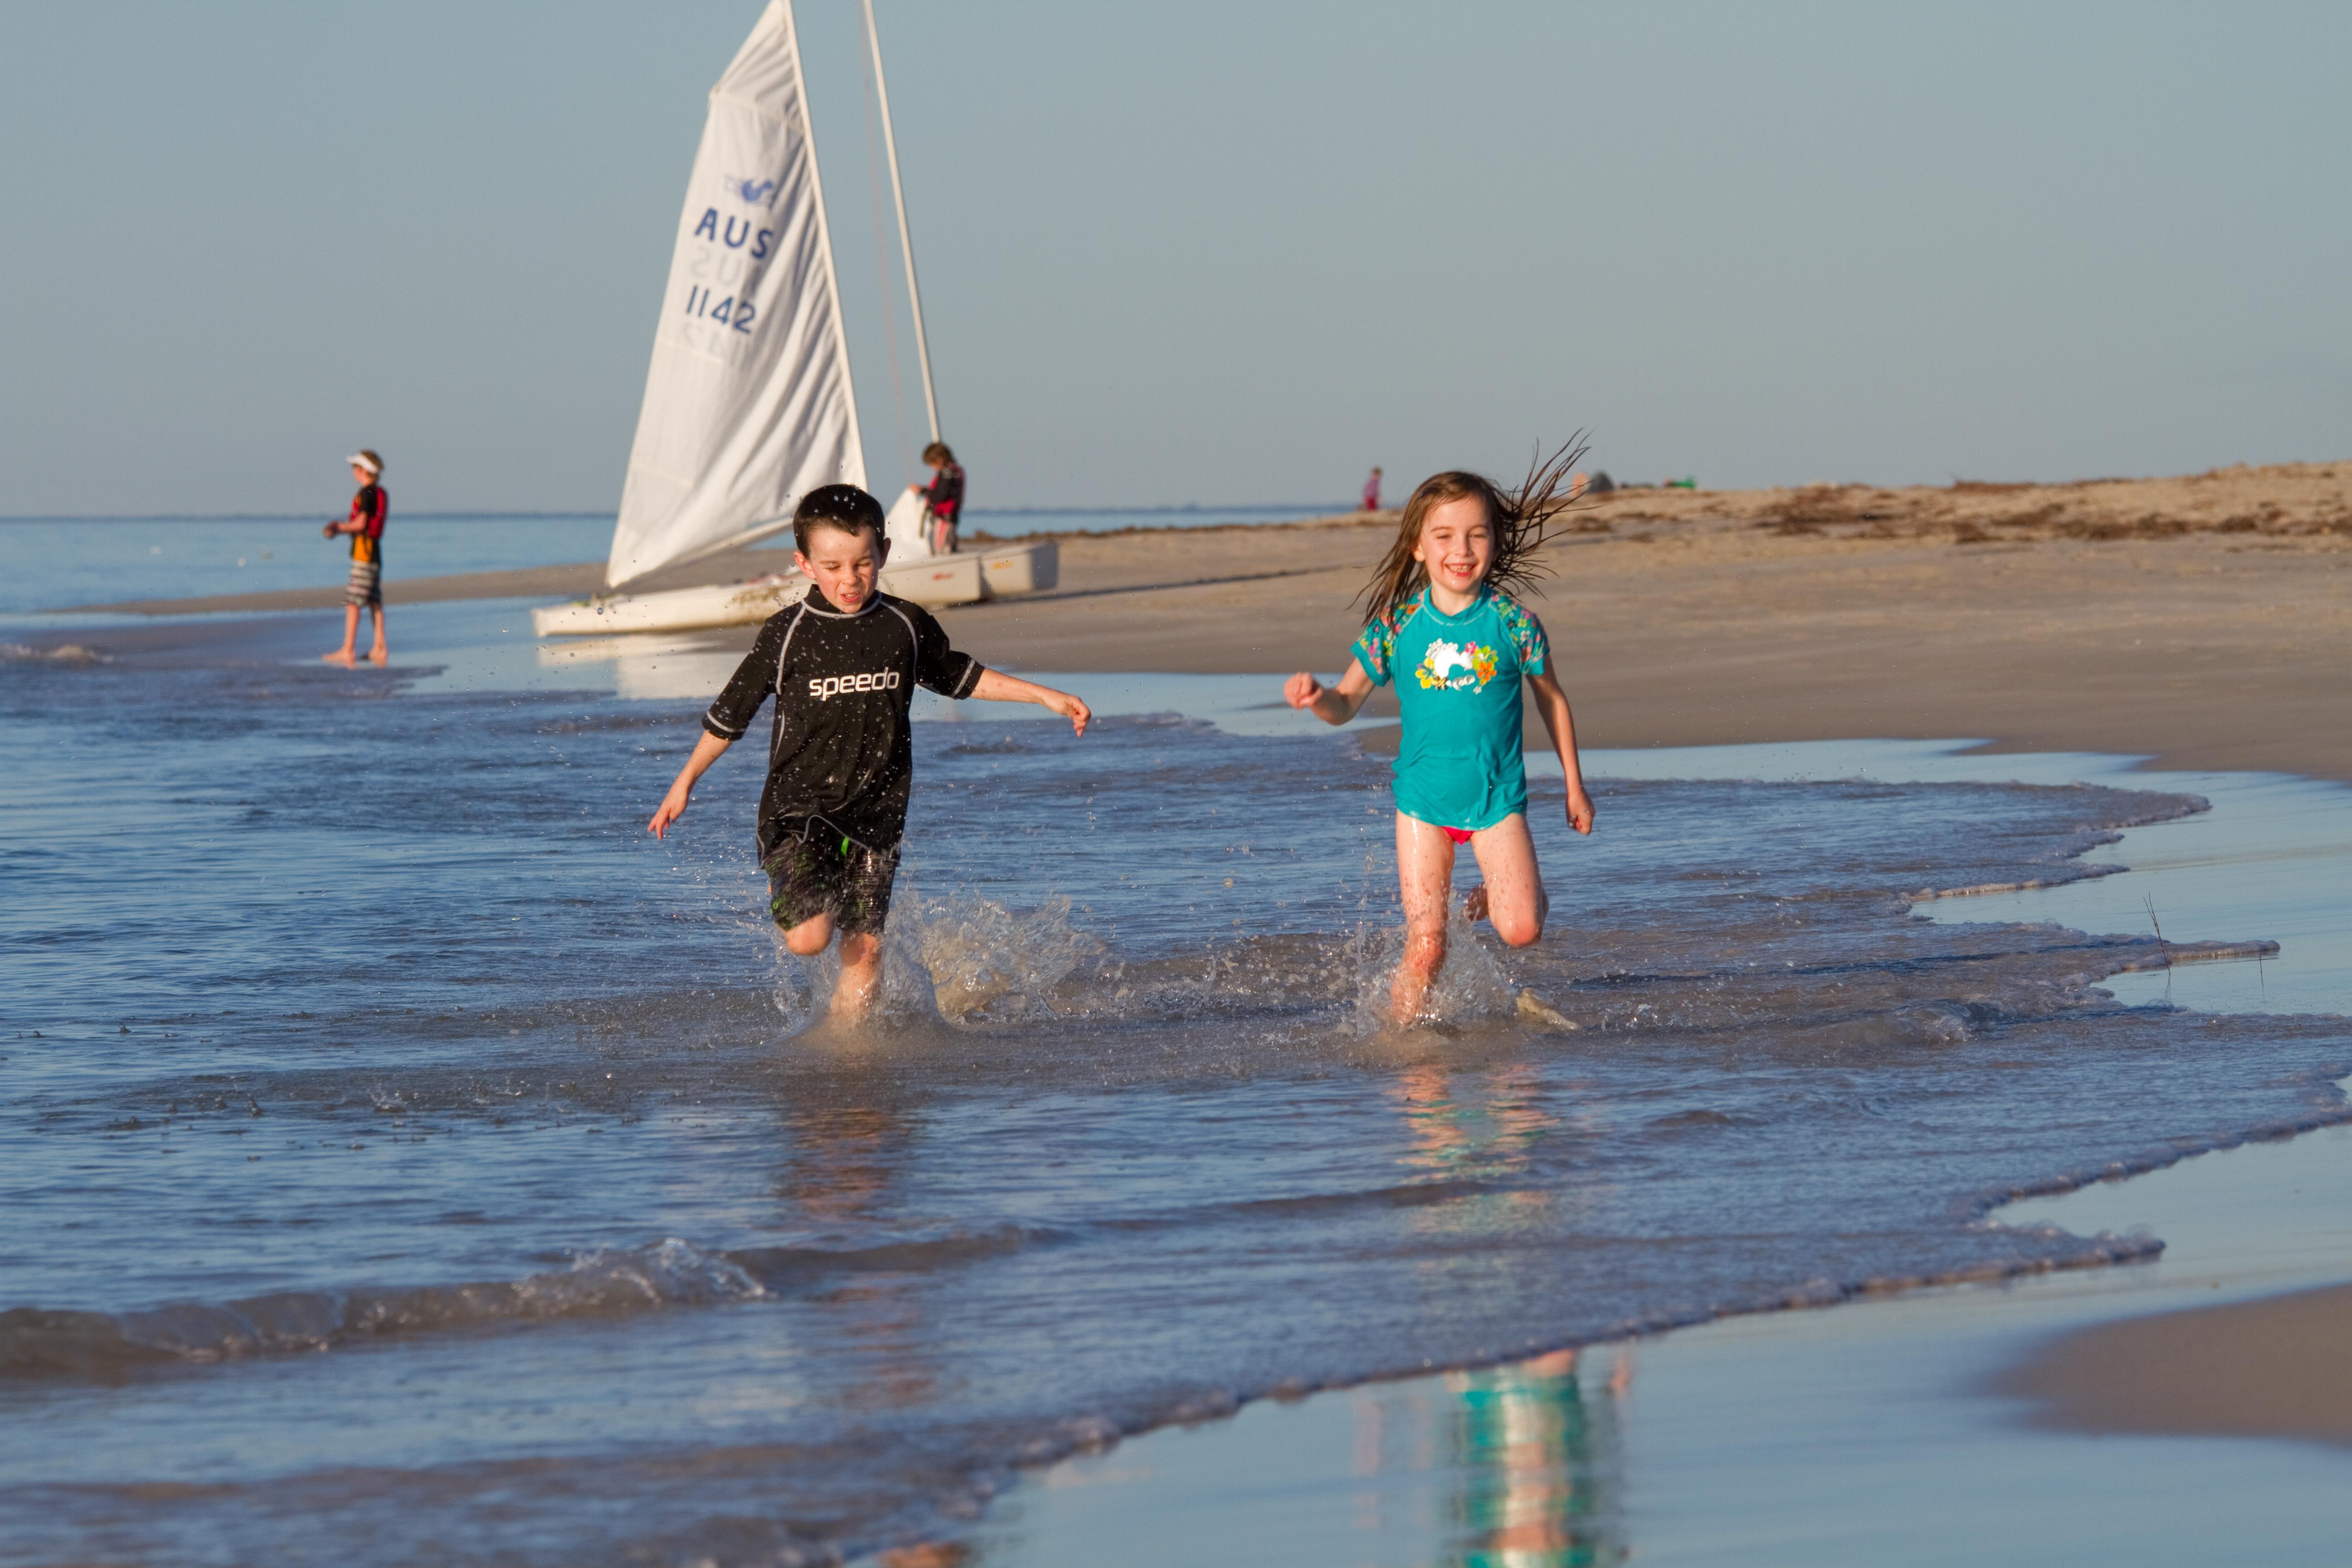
x: 1442, y: 623
x: 364, y: 591
x: 842, y: 665
x: 943, y: 497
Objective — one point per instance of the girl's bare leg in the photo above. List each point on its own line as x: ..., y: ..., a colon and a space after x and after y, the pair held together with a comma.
x: 1513, y: 895
x: 1426, y: 881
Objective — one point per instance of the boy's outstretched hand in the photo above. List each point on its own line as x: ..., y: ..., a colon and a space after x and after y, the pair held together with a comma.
x: 995, y: 685
x: 707, y: 750
x: 1071, y: 708
x: 673, y: 806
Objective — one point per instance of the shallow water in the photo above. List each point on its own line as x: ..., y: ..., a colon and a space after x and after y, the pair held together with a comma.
x: 403, y: 1149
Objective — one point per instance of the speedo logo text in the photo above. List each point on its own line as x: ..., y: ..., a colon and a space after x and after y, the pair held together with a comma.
x: 833, y: 686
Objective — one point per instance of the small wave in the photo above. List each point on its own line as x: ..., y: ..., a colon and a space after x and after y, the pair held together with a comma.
x: 64, y: 653
x: 35, y: 1343
x: 2168, y: 954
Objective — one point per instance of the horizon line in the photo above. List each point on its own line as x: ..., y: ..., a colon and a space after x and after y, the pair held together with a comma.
x: 508, y: 516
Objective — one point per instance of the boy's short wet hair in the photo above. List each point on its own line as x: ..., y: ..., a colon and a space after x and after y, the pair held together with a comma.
x: 844, y: 507
x: 937, y: 452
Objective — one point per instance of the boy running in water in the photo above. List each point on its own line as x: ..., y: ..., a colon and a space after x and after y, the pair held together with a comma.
x: 843, y: 666
x: 370, y: 506
x: 1442, y: 625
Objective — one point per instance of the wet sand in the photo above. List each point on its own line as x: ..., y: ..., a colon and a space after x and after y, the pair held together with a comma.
x: 2204, y: 621
x: 2269, y: 1368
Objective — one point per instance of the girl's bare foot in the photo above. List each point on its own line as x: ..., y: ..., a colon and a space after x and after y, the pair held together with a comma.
x: 342, y: 655
x: 378, y: 655
x: 1474, y: 908
x: 1407, y: 991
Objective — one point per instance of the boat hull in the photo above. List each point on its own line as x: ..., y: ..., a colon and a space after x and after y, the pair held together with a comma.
x: 935, y: 582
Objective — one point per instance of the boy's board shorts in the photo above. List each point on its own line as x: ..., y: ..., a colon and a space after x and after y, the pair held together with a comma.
x: 826, y: 874
x: 366, y: 587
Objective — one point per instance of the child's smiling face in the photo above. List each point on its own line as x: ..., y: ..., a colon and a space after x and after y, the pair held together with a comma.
x: 1457, y: 544
x: 842, y: 564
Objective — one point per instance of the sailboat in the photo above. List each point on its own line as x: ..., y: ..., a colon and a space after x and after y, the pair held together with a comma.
x: 748, y: 402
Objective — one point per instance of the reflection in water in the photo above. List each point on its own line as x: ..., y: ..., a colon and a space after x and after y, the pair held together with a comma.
x: 1515, y: 1467
x: 1532, y: 1467
x: 844, y: 1163
x: 1538, y: 1465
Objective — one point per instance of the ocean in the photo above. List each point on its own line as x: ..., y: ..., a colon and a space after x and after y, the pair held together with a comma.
x: 407, y: 1159
x: 48, y: 564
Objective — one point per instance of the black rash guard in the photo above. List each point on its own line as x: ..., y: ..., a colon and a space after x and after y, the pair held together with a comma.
x: 839, y: 750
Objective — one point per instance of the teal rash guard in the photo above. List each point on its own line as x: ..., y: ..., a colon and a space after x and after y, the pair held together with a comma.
x: 1457, y: 680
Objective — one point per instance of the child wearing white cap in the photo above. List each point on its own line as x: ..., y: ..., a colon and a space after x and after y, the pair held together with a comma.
x: 370, y: 506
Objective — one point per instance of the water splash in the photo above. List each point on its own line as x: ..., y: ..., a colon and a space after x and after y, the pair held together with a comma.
x: 987, y: 964
x: 1471, y: 989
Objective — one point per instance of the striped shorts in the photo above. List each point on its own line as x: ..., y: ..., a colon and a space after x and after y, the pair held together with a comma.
x: 366, y: 586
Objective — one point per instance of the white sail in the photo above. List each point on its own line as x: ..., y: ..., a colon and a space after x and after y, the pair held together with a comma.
x: 748, y: 403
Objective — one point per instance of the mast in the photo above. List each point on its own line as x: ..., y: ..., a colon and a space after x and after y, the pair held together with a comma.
x: 905, y: 245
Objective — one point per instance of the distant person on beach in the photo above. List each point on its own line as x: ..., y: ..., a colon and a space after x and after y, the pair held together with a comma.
x: 842, y: 665
x: 365, y: 590
x: 1373, y: 493
x: 943, y: 497
x: 1442, y: 622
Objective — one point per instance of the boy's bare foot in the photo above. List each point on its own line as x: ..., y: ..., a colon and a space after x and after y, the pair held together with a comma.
x: 852, y: 1004
x: 342, y: 655
x: 1474, y: 908
x: 378, y: 655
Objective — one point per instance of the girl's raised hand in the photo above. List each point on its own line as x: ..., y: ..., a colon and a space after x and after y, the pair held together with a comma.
x: 1301, y: 691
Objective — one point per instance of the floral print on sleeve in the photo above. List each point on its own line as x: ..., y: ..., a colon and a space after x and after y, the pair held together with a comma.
x: 1526, y: 635
x: 1375, y: 646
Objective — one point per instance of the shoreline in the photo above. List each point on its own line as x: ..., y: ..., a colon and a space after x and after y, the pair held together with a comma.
x: 2202, y: 622
x: 1111, y: 605
x: 2070, y: 1377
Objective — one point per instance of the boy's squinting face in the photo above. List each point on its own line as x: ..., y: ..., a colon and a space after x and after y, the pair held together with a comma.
x: 843, y: 564
x: 361, y: 475
x: 1457, y: 544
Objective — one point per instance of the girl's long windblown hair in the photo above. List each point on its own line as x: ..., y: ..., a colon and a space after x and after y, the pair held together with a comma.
x: 1521, y: 518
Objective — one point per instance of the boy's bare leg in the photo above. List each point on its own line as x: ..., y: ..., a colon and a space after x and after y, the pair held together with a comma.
x: 378, y: 654
x: 1512, y: 895
x: 808, y: 939
x: 860, y: 986
x: 1426, y: 879
x: 351, y: 636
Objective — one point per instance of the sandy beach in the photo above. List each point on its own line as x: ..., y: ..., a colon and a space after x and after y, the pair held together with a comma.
x: 2268, y: 1368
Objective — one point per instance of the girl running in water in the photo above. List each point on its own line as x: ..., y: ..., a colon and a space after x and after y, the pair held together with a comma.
x: 1440, y: 620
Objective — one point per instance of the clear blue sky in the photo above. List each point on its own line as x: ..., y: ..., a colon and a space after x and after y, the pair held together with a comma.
x: 1206, y: 252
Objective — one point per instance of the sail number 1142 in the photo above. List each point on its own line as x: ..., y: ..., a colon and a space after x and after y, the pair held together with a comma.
x: 728, y: 312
